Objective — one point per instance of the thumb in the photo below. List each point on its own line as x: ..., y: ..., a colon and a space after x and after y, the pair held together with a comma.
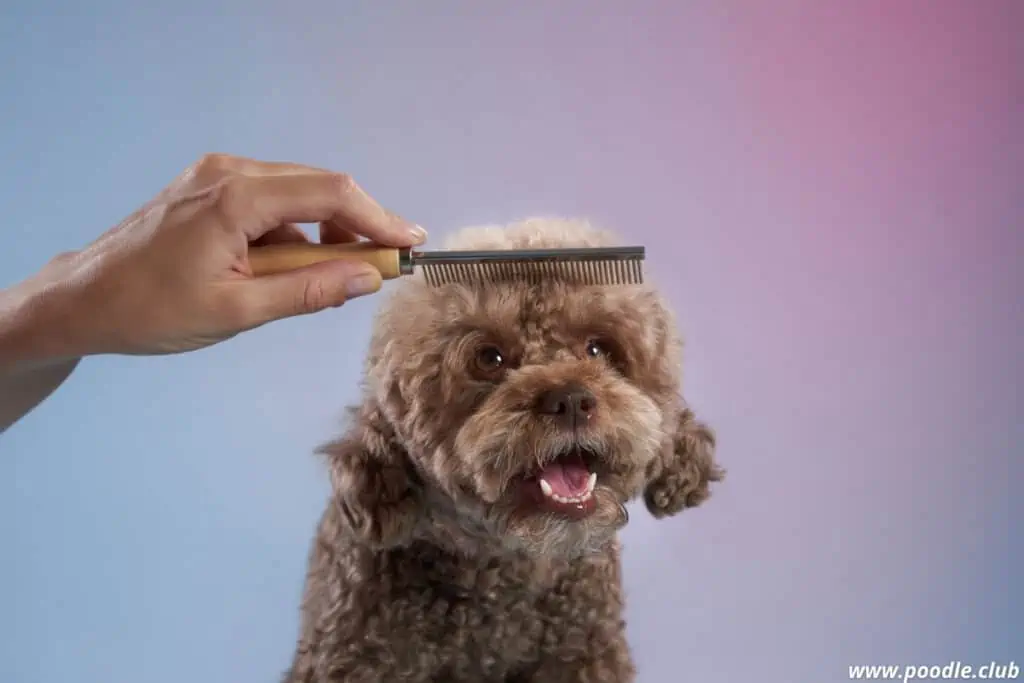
x: 311, y: 289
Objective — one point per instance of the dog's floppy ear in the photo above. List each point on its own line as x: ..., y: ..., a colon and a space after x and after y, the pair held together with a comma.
x: 681, y: 477
x: 375, y: 486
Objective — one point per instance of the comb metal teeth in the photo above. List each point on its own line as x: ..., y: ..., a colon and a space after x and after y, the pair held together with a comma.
x: 583, y: 266
x: 575, y: 272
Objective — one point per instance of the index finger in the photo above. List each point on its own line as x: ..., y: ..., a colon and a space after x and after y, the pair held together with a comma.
x: 258, y: 204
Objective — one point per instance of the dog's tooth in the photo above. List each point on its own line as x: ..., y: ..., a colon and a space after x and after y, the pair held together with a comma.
x: 545, y: 488
x: 591, y: 482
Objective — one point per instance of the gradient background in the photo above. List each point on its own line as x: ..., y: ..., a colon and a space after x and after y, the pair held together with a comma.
x: 830, y: 191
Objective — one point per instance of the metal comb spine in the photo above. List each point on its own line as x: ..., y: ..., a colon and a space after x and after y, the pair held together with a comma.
x: 585, y: 265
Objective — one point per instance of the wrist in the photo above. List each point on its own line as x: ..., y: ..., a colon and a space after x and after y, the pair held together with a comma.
x: 36, y: 327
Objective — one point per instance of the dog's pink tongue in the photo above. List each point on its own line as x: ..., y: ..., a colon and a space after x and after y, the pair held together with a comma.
x: 567, y: 478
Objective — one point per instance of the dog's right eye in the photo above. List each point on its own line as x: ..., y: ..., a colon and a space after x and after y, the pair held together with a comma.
x: 489, y: 360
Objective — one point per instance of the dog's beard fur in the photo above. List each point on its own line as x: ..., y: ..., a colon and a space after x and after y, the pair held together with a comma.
x: 504, y: 439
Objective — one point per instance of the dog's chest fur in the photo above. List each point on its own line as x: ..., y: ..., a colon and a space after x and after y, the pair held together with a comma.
x: 419, y: 613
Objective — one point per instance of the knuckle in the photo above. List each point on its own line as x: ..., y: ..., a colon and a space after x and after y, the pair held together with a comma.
x: 232, y: 197
x: 214, y: 161
x: 343, y: 183
x: 312, y: 297
x: 212, y: 166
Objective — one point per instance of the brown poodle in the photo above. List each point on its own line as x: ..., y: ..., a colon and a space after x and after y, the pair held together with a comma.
x: 477, y: 494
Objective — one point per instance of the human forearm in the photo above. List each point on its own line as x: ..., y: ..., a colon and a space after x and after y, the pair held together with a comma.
x: 22, y: 391
x: 36, y: 352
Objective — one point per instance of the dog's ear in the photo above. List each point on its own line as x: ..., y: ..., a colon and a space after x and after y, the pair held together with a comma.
x: 682, y: 476
x: 376, y: 489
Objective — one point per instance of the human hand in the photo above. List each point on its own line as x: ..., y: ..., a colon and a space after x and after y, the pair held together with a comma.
x: 174, y: 276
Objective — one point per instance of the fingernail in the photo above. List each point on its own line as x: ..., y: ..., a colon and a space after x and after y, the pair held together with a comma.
x: 418, y: 234
x: 362, y: 283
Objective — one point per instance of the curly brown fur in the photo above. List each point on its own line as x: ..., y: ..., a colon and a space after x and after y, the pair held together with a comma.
x: 434, y: 560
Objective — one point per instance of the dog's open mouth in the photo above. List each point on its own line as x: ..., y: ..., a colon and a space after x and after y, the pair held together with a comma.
x: 564, y: 485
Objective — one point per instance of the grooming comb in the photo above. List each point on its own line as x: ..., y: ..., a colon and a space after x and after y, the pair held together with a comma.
x: 586, y: 266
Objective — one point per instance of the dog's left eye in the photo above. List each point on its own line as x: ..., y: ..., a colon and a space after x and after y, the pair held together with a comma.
x: 489, y: 359
x: 595, y: 349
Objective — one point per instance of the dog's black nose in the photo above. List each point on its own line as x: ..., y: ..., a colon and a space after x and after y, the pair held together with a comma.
x: 571, y: 404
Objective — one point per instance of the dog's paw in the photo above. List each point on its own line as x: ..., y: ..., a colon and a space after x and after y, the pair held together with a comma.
x: 687, y: 470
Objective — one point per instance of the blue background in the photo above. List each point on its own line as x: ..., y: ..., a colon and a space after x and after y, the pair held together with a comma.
x: 831, y: 197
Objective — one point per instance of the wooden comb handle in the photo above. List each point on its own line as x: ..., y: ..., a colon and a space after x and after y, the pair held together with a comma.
x: 281, y: 258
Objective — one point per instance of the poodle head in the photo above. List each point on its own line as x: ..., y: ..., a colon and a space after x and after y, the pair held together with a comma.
x: 520, y: 416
